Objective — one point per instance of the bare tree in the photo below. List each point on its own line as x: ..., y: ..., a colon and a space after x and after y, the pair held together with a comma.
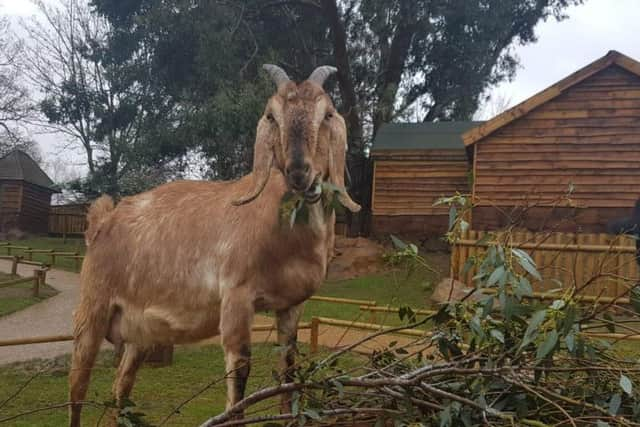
x: 493, y: 105
x: 15, y: 105
x: 85, y: 95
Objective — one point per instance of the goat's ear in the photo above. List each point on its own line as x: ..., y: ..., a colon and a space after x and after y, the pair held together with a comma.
x: 337, y: 161
x: 262, y: 161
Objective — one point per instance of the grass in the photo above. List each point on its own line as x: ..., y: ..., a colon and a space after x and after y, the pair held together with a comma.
x: 396, y: 288
x: 194, y: 368
x: 56, y: 243
x: 18, y: 297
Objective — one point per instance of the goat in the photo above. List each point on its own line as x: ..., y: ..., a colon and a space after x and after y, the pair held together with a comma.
x: 190, y: 260
x: 628, y: 225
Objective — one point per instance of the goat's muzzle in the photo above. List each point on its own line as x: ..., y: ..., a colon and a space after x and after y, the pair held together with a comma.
x: 299, y: 178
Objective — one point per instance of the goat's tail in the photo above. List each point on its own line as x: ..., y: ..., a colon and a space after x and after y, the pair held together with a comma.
x: 98, y: 212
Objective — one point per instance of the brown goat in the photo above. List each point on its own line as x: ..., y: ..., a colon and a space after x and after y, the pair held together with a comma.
x: 191, y: 260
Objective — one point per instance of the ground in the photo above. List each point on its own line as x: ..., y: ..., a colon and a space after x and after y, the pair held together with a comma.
x: 194, y: 369
x: 17, y: 297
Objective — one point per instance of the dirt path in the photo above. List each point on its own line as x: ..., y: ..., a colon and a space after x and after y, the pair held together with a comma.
x: 53, y: 316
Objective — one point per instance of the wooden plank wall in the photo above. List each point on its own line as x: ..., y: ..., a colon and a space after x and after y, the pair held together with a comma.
x: 409, y: 182
x: 34, y: 211
x: 588, y: 136
x: 10, y: 201
x: 611, y: 258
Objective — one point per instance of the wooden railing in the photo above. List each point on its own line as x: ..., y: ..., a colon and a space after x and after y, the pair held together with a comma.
x: 38, y: 279
x: 25, y: 255
x: 601, y: 265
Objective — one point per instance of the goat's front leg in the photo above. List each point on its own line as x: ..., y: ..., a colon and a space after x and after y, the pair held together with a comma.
x: 235, y: 330
x: 287, y: 322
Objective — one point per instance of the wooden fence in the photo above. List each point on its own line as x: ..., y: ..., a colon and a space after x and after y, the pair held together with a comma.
x: 67, y: 224
x: 604, y: 264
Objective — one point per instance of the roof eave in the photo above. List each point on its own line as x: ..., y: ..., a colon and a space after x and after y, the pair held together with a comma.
x: 612, y: 57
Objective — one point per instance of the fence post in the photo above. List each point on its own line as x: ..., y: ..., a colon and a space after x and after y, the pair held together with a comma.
x: 14, y: 265
x: 76, y: 254
x: 29, y: 254
x: 315, y: 331
x: 36, y: 283
x: 64, y: 229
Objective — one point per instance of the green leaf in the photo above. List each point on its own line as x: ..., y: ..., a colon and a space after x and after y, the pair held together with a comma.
x: 487, y: 306
x: 445, y: 416
x: 625, y: 384
x: 532, y: 330
x: 570, y: 340
x: 614, y: 404
x: 497, y: 274
x: 530, y: 268
x: 547, y: 345
x: 476, y: 327
x: 634, y: 298
x: 523, y: 288
x: 397, y: 243
x: 611, y: 325
x: 453, y: 214
x: 499, y: 336
x: 467, y: 265
x: 295, y: 403
x: 313, y: 414
x: 519, y: 253
x: 340, y: 387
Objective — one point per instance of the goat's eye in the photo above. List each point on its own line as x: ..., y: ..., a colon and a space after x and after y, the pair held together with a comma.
x: 270, y: 117
x: 328, y: 116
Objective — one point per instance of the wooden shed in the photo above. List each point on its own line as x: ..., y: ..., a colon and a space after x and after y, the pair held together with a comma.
x: 414, y: 165
x: 581, y: 135
x: 25, y: 194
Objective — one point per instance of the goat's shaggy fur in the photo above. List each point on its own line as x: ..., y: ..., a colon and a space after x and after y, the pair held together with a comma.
x: 190, y: 260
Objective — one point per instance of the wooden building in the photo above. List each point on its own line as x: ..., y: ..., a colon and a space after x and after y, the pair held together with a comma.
x: 25, y: 194
x: 414, y: 165
x: 581, y: 135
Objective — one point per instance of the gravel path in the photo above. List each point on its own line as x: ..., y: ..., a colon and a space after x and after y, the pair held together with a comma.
x: 49, y: 317
x: 53, y: 316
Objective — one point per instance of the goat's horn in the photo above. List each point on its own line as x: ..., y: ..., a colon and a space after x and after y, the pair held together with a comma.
x: 278, y: 75
x: 320, y: 74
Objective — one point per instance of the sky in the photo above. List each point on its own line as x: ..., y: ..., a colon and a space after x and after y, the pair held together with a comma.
x: 591, y: 30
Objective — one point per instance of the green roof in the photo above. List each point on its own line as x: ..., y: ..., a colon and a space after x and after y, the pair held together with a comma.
x: 422, y: 136
x: 17, y: 165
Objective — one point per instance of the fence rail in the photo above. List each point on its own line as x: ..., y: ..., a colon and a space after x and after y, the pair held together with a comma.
x: 604, y: 264
x: 27, y: 253
x: 39, y: 278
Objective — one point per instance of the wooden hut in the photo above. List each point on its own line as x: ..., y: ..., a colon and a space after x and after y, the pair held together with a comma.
x: 25, y: 194
x: 581, y: 135
x: 414, y: 165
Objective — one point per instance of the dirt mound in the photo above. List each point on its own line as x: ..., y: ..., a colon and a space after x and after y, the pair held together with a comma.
x: 355, y: 257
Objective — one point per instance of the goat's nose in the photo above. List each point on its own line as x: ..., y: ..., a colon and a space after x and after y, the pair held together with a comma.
x: 302, y: 169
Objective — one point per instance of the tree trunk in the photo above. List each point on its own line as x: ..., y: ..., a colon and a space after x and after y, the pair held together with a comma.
x: 357, y: 164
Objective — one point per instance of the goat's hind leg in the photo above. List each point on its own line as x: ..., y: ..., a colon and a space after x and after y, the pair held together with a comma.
x: 91, y: 327
x: 287, y: 322
x: 131, y: 361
